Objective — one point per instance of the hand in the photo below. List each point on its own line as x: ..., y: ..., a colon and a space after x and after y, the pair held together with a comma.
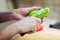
x: 27, y: 24
x: 22, y: 12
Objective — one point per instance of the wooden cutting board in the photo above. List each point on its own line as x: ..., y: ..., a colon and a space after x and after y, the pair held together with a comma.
x: 46, y: 34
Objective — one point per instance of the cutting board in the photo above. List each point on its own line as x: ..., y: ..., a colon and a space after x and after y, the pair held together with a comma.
x: 46, y: 34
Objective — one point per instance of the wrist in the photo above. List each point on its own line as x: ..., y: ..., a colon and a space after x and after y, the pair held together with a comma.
x: 5, y: 16
x: 9, y: 16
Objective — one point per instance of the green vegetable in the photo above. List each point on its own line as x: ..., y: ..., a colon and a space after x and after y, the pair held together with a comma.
x: 40, y: 13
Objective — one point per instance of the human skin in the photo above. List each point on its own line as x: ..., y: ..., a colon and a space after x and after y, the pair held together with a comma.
x: 22, y: 25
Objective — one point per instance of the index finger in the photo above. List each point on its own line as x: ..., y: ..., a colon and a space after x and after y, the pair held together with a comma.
x: 34, y: 8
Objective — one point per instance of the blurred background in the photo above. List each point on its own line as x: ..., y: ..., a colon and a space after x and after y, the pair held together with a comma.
x: 54, y: 5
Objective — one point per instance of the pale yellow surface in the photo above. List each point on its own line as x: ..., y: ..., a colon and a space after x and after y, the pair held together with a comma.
x: 46, y: 34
